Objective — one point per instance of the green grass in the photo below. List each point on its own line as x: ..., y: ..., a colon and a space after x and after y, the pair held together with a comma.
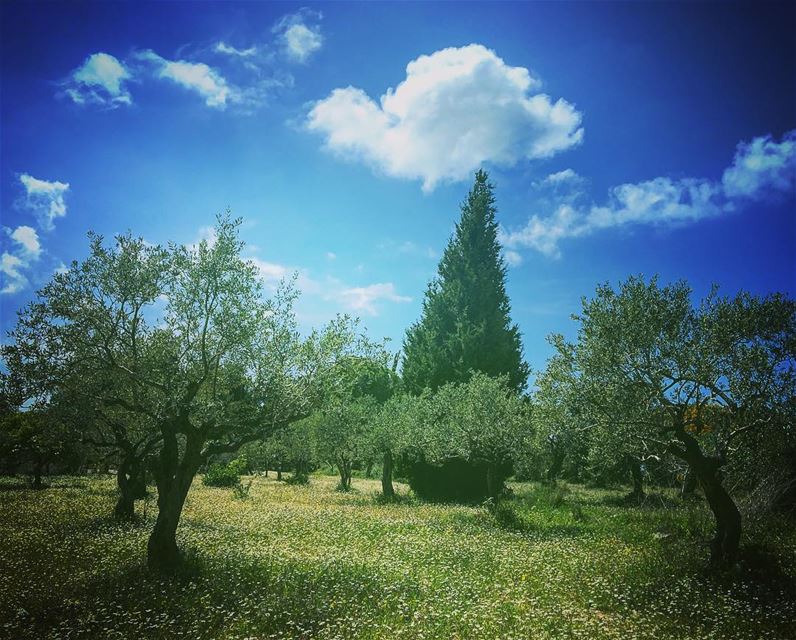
x: 310, y: 562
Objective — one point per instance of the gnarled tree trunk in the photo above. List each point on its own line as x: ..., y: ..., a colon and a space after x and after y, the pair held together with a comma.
x: 724, y: 547
x: 131, y: 482
x: 386, y: 476
x: 174, y: 478
x: 493, y: 487
x: 344, y: 467
x: 38, y: 470
x: 725, y: 544
x: 556, y: 465
x: 638, y: 478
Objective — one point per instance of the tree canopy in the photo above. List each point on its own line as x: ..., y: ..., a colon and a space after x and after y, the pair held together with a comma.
x: 658, y: 376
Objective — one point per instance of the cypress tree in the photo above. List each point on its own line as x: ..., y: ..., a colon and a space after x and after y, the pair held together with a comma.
x: 466, y: 324
x: 465, y: 327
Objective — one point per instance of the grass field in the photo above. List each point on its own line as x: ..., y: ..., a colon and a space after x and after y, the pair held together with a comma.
x: 310, y: 562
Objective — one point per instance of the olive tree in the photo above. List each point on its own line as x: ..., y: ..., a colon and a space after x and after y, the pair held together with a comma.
x: 561, y: 422
x: 183, y: 338
x: 78, y: 347
x: 342, y: 431
x: 666, y: 378
x: 388, y: 436
x: 353, y: 391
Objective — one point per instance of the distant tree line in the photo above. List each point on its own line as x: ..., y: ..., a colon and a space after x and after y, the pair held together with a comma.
x: 161, y: 363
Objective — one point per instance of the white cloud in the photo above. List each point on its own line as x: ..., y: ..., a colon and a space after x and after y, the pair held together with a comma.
x: 270, y: 273
x: 194, y: 76
x: 26, y: 250
x: 457, y: 109
x: 760, y: 168
x: 567, y: 176
x: 364, y: 299
x: 408, y: 247
x: 22, y: 245
x: 223, y: 47
x: 11, y: 268
x: 27, y: 239
x: 44, y: 199
x: 299, y: 35
x: 513, y: 259
x: 100, y: 79
x: 207, y: 234
x: 543, y: 234
x: 330, y: 255
x: 358, y: 299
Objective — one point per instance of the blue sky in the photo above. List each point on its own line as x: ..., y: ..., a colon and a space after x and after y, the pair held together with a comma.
x: 622, y: 138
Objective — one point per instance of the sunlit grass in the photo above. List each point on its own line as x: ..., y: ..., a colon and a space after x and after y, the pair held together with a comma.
x: 311, y: 562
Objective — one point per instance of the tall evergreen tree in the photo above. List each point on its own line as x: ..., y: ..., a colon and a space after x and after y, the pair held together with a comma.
x: 466, y: 324
x: 465, y: 327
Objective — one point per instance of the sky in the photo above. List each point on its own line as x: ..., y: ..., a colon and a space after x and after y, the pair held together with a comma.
x: 622, y: 138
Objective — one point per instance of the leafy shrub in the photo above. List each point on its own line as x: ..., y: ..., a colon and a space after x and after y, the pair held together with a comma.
x: 297, y: 478
x: 241, y: 491
x: 506, y: 514
x: 240, y: 465
x: 220, y: 475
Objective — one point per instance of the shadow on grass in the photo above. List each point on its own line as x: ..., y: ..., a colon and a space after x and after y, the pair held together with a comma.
x: 647, y: 501
x: 231, y: 595
x: 397, y: 498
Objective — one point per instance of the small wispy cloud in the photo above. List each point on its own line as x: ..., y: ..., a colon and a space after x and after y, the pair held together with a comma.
x: 11, y: 267
x: 22, y: 246
x: 194, y: 76
x: 761, y: 169
x: 512, y: 258
x: 101, y: 79
x: 19, y: 258
x: 27, y: 240
x: 299, y: 34
x: 44, y: 199
x: 365, y: 299
x: 221, y: 73
x: 223, y: 47
x: 407, y: 247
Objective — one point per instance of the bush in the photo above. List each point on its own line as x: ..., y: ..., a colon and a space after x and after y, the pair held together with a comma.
x: 241, y: 491
x: 506, y: 514
x: 239, y: 465
x: 455, y: 480
x: 220, y: 475
x: 298, y: 479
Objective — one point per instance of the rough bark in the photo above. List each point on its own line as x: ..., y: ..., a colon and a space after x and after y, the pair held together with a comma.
x: 125, y: 503
x: 725, y: 544
x: 131, y: 482
x: 386, y: 476
x: 638, y: 478
x: 174, y: 478
x: 556, y: 465
x: 37, y: 473
x: 492, y: 485
x: 344, y: 467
